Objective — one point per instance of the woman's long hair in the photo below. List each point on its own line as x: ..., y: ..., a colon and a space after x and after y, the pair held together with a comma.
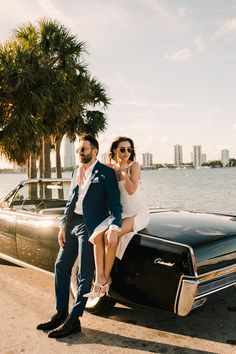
x: 114, y: 146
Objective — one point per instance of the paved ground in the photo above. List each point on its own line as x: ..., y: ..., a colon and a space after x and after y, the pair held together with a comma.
x: 26, y: 298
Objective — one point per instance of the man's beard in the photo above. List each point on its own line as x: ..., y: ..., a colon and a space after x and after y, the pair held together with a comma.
x: 86, y: 158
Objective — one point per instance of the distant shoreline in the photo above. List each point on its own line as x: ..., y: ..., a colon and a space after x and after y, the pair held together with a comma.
x: 10, y: 170
x: 24, y: 171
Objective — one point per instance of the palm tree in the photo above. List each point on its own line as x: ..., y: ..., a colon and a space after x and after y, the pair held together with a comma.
x: 20, y: 101
x: 92, y: 93
x: 46, y: 91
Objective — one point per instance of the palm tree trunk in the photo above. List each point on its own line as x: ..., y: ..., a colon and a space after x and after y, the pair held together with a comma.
x: 32, y: 168
x: 58, y: 157
x: 41, y: 160
x: 47, y: 163
x: 32, y: 173
x: 46, y: 157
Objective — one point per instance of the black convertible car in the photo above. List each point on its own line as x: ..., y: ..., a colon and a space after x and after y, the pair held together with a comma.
x: 174, y: 264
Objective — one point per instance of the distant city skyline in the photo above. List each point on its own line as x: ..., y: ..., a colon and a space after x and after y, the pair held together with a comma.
x: 168, y: 66
x: 69, y: 159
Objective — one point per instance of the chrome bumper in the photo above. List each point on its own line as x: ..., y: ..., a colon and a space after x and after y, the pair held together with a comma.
x: 193, y: 291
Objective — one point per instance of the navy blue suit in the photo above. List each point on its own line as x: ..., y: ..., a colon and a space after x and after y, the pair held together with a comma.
x: 102, y: 200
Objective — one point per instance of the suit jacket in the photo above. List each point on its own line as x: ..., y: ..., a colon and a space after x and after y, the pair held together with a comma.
x: 102, y: 200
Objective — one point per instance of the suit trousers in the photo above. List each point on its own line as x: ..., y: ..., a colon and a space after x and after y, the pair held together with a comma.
x: 77, y: 247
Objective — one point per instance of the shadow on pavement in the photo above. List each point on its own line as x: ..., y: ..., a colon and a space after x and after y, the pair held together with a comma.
x: 3, y: 262
x: 215, y: 321
x: 116, y: 340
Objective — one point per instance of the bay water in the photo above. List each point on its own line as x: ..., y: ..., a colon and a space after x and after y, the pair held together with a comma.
x: 204, y: 189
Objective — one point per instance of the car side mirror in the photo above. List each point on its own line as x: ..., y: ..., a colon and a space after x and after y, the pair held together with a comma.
x: 4, y: 204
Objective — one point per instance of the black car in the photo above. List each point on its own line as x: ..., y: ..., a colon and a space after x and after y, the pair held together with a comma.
x: 174, y: 264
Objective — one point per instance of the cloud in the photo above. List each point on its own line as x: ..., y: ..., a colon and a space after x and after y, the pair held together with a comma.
x: 145, y: 104
x: 182, y: 12
x: 159, y: 8
x: 131, y: 87
x: 227, y: 30
x: 199, y: 44
x: 171, y: 17
x: 164, y: 139
x: 181, y: 56
x: 51, y: 9
x: 213, y: 112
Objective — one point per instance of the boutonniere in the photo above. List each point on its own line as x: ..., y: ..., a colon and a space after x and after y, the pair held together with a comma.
x: 95, y: 180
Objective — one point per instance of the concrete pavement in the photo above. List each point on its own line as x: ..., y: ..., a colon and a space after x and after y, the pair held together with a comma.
x: 27, y: 298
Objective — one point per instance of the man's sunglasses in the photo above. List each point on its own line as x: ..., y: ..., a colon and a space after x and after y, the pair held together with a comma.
x: 82, y: 149
x: 123, y: 149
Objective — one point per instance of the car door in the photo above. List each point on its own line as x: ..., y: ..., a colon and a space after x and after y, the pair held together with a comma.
x: 36, y: 237
x: 8, y: 232
x: 35, y: 232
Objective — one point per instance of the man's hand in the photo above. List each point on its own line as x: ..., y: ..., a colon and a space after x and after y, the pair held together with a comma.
x: 112, y: 238
x: 61, y: 237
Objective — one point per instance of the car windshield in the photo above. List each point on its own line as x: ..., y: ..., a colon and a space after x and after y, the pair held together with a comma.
x: 41, y: 194
x: 44, y: 190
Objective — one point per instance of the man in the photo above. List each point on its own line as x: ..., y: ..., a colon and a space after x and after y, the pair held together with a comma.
x: 96, y: 199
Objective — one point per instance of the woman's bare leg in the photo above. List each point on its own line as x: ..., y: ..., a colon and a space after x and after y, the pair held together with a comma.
x: 99, y: 259
x: 110, y: 253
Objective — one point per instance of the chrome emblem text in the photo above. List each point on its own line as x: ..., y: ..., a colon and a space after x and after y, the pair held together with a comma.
x: 160, y: 261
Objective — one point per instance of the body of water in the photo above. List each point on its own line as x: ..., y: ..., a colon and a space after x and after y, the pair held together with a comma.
x: 210, y: 190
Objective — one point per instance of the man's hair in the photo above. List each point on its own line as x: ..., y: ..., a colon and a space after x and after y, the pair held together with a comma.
x: 93, y: 141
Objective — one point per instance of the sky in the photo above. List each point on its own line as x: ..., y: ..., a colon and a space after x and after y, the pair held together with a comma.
x: 169, y: 67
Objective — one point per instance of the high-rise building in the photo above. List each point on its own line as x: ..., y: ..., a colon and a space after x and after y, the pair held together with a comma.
x: 225, y: 157
x: 67, y: 153
x: 147, y: 159
x: 197, y: 155
x: 203, y: 158
x: 178, y: 155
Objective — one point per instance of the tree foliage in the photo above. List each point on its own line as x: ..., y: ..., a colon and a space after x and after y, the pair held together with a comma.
x: 46, y: 90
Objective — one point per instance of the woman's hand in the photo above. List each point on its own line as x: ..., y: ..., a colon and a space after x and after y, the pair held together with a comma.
x: 121, y: 170
x: 112, y: 238
x: 131, y: 179
x: 124, y: 169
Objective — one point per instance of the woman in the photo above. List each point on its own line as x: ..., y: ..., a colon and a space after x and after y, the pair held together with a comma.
x: 135, y: 215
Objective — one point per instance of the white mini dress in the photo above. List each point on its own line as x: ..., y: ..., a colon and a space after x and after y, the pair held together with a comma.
x: 132, y: 205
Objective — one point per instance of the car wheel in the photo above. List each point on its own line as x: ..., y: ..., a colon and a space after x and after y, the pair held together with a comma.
x: 99, y: 305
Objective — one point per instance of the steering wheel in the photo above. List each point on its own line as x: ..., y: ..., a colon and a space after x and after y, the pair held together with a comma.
x: 37, y: 204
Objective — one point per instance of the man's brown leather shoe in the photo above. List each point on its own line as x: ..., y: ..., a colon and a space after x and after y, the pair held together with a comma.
x: 55, y: 322
x: 71, y: 325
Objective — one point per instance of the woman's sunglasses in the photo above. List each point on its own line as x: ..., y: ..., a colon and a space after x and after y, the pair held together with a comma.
x: 123, y: 149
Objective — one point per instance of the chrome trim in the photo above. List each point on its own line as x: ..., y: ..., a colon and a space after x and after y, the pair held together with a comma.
x: 217, y: 273
x: 177, y: 293
x: 24, y: 264
x: 198, y: 303
x: 215, y: 290
x: 182, y: 277
x: 217, y: 280
x: 188, y: 285
x: 186, y: 297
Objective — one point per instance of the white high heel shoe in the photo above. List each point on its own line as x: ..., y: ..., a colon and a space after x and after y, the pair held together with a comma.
x: 99, y: 290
